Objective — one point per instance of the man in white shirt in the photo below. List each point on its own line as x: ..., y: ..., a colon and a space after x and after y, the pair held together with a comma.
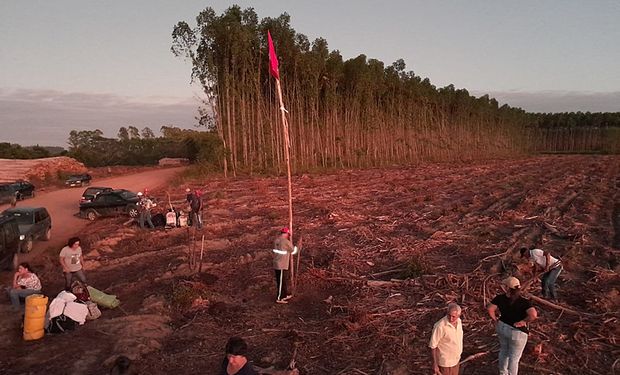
x: 447, y: 342
x: 550, y: 265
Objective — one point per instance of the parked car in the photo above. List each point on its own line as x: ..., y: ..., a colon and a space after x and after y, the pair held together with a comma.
x: 9, y: 242
x: 111, y: 203
x: 78, y: 180
x: 7, y: 193
x: 92, y: 192
x: 23, y: 189
x: 34, y: 223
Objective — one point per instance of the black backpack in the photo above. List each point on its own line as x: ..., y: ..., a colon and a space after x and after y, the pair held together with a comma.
x: 61, y: 324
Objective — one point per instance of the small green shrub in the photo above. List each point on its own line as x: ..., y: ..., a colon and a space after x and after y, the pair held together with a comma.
x: 416, y: 267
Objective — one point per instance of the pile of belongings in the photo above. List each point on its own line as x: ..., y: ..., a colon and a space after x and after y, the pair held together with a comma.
x: 109, y: 301
x: 70, y: 309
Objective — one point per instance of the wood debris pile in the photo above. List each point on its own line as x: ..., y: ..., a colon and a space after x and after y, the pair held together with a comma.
x: 39, y: 170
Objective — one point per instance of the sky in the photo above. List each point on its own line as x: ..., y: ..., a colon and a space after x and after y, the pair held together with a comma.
x: 84, y: 65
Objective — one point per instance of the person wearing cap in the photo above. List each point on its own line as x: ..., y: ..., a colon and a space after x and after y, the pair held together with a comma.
x: 145, y: 210
x: 551, y: 266
x: 236, y: 361
x: 282, y: 251
x: 447, y: 342
x: 515, y: 313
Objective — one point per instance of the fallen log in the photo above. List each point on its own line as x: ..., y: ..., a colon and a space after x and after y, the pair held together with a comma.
x: 558, y: 307
x: 272, y: 371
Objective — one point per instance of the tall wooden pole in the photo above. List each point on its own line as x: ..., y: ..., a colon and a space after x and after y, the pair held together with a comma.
x: 287, y: 155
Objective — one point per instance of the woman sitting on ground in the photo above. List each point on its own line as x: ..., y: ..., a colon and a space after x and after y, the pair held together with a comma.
x: 25, y: 283
x: 236, y: 362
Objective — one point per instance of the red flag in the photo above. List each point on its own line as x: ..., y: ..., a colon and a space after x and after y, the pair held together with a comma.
x: 273, y: 59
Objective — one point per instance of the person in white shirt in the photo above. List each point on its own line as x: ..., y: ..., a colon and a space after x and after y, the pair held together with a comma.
x: 71, y: 261
x: 447, y: 342
x: 551, y: 266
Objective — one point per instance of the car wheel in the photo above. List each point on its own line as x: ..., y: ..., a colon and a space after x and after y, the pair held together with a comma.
x: 133, y: 212
x: 19, y: 196
x: 48, y: 234
x: 27, y: 245
x: 91, y: 215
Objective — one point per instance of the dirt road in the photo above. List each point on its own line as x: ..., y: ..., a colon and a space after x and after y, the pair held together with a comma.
x: 63, y: 205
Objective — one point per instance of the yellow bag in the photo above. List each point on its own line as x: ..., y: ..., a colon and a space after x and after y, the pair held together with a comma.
x: 34, y: 319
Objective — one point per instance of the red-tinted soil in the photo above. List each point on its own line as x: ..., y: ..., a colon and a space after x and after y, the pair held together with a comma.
x: 451, y: 232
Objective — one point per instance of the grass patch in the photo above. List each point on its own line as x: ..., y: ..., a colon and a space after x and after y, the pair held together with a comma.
x: 184, y: 293
x: 416, y: 267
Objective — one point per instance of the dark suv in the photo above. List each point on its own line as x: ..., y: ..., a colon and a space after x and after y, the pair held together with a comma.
x: 90, y: 193
x: 111, y: 203
x: 7, y: 193
x: 78, y: 180
x: 34, y: 223
x: 23, y: 189
x: 9, y: 242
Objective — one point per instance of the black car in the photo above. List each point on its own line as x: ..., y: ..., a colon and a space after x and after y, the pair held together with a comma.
x: 90, y: 193
x: 34, y: 223
x: 78, y: 180
x: 23, y: 189
x: 9, y: 242
x: 111, y: 203
x: 7, y: 193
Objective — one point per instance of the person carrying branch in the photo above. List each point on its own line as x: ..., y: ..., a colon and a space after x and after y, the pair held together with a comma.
x: 551, y: 266
x: 282, y: 251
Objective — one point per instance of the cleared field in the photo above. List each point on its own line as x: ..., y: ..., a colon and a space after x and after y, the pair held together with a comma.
x: 384, y: 251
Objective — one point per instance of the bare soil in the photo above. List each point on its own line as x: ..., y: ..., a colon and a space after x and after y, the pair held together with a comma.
x: 383, y: 252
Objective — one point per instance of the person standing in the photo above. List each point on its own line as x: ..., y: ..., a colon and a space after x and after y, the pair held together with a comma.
x: 195, y: 205
x: 282, y: 251
x: 236, y: 362
x: 146, y: 205
x: 515, y: 313
x: 551, y: 266
x: 25, y: 283
x: 71, y: 260
x: 447, y: 342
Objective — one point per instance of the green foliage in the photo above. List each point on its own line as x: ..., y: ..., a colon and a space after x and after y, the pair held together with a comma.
x: 185, y: 293
x: 15, y: 151
x: 342, y: 113
x: 416, y: 267
x: 134, y: 147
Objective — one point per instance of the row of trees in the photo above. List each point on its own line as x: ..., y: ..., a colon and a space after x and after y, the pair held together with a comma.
x: 575, y: 132
x: 357, y: 112
x: 343, y: 113
x: 142, y: 147
x: 15, y: 151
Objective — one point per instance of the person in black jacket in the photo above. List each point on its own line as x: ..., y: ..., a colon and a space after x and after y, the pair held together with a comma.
x: 235, y: 362
x: 195, y: 205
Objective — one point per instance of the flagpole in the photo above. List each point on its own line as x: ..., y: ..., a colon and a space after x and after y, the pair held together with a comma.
x: 274, y: 71
x: 287, y: 155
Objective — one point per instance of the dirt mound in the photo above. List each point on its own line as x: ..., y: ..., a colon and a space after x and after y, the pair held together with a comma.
x: 42, y: 171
